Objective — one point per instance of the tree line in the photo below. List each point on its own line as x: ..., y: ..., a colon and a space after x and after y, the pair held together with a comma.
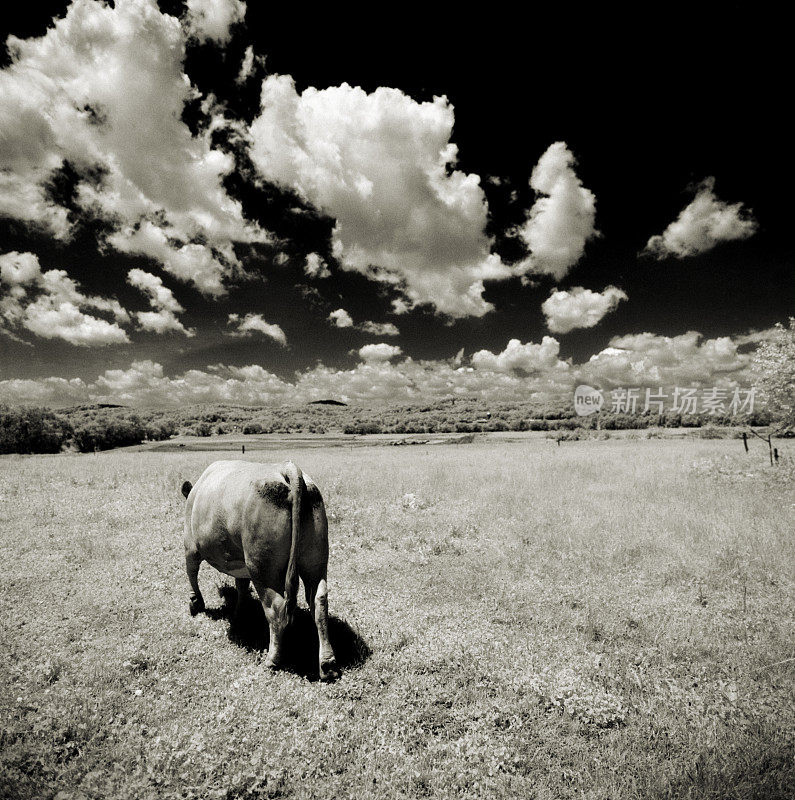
x: 89, y: 429
x: 41, y: 430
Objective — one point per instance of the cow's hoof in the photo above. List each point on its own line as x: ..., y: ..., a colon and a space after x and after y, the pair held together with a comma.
x: 273, y: 663
x: 329, y: 671
x: 196, y: 605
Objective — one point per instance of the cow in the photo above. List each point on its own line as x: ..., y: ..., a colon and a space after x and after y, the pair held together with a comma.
x: 264, y: 523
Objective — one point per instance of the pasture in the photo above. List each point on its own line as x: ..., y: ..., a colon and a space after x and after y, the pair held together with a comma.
x: 603, y: 619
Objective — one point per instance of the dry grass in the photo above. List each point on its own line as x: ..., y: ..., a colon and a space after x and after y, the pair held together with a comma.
x: 600, y: 620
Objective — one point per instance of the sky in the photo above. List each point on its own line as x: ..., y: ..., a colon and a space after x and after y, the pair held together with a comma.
x: 215, y: 201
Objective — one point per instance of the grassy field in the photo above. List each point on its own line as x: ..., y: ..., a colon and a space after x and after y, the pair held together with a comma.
x: 602, y: 619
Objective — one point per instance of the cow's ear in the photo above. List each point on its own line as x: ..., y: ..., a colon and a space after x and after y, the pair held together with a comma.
x: 186, y: 487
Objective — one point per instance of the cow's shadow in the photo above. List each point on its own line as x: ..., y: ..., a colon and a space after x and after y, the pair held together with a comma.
x: 250, y: 631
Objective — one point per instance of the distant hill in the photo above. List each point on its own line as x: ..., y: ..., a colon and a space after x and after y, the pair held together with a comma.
x: 326, y: 403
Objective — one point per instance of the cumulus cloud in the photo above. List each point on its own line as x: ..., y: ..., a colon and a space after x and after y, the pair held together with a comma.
x: 103, y: 90
x: 341, y: 318
x: 376, y: 353
x: 521, y: 358
x: 145, y: 383
x: 254, y: 323
x: 562, y: 218
x: 49, y: 304
x: 63, y: 320
x: 165, y: 307
x: 703, y: 224
x: 520, y: 372
x: 211, y: 19
x: 579, y: 307
x: 649, y: 359
x: 377, y: 380
x: 51, y: 391
x: 383, y: 166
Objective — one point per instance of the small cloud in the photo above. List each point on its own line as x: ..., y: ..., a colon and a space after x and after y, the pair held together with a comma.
x: 246, y: 66
x: 703, y: 224
x: 377, y: 353
x: 379, y: 328
x: 161, y: 321
x: 400, y: 306
x: 212, y: 19
x: 562, y: 219
x: 316, y: 267
x: 579, y: 307
x: 254, y: 323
x: 17, y: 269
x: 341, y: 318
x: 164, y: 316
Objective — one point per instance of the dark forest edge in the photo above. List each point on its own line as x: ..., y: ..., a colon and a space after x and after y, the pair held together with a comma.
x: 91, y: 428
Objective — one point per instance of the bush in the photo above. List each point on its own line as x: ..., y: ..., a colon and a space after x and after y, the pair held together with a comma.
x: 162, y: 429
x: 495, y: 425
x: 362, y: 427
x: 32, y: 430
x: 103, y: 433
x: 537, y: 425
x: 203, y: 429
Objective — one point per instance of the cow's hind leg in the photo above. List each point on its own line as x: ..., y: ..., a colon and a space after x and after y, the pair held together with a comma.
x: 275, y: 613
x: 192, y: 563
x: 317, y: 598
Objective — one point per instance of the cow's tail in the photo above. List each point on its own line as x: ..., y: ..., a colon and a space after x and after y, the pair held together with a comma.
x: 293, y: 476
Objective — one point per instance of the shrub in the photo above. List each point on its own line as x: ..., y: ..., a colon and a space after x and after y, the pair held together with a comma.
x: 537, y: 425
x: 162, y: 429
x: 362, y: 427
x: 495, y: 425
x: 103, y: 433
x: 32, y: 430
